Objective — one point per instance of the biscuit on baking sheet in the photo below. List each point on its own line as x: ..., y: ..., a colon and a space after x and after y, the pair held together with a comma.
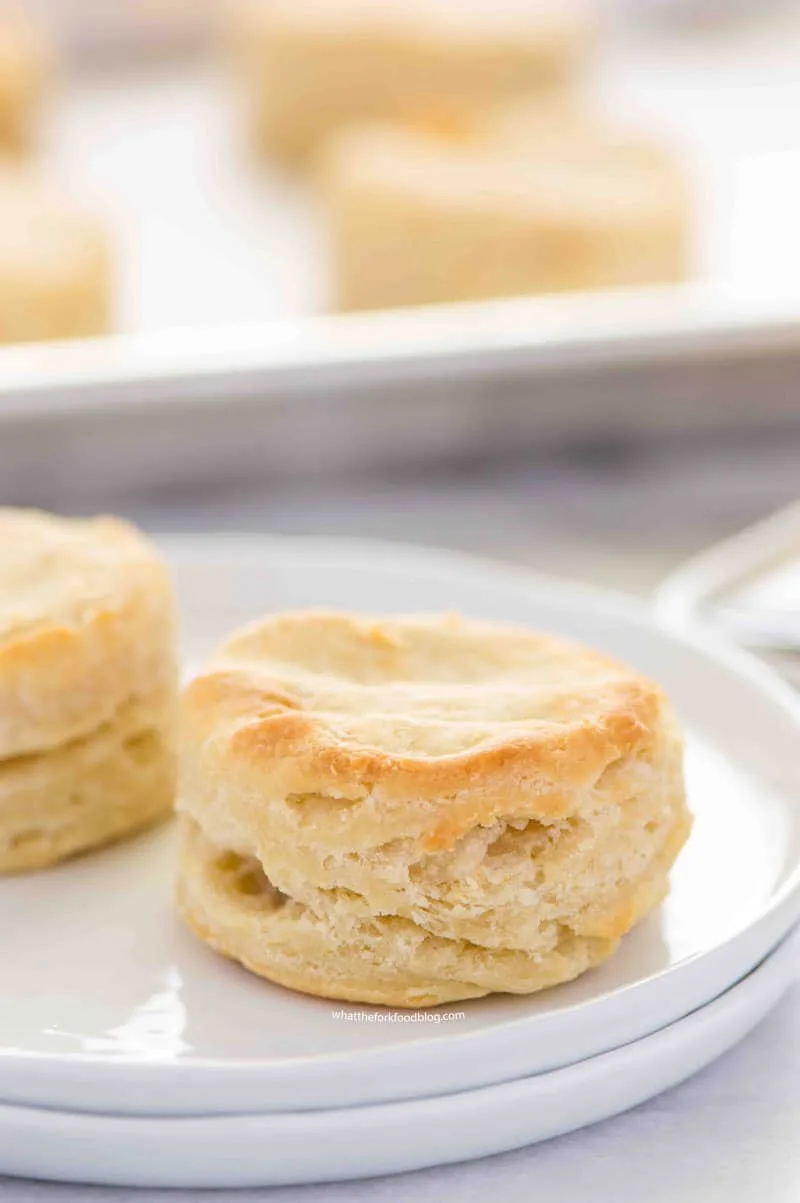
x: 25, y: 68
x: 56, y: 277
x: 309, y: 67
x: 88, y: 685
x: 524, y: 203
x: 416, y: 810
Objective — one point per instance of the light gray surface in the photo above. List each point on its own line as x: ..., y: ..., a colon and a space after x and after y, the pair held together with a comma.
x: 618, y: 511
x: 727, y: 1136
x: 620, y: 514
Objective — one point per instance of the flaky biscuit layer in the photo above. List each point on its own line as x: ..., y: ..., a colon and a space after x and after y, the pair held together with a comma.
x: 117, y: 780
x: 231, y: 905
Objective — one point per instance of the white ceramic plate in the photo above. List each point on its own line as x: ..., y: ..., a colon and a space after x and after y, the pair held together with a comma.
x: 267, y: 1150
x: 112, y: 1006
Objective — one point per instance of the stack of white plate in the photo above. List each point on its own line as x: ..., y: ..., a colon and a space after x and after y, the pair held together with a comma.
x: 130, y: 1054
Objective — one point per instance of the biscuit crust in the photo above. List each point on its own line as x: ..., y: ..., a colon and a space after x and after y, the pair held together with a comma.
x: 419, y: 809
x: 434, y: 720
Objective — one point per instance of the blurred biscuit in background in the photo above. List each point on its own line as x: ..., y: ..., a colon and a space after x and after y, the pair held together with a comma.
x: 88, y: 685
x: 525, y: 200
x: 26, y: 65
x: 309, y: 67
x: 56, y: 271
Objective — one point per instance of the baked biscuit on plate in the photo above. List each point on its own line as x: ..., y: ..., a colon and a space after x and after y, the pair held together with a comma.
x: 416, y: 810
x: 88, y: 685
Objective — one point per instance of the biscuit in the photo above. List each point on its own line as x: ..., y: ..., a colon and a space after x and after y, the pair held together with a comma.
x: 522, y: 203
x: 56, y: 278
x: 25, y: 66
x: 116, y: 781
x: 309, y: 67
x: 417, y: 810
x: 86, y: 623
x: 88, y: 686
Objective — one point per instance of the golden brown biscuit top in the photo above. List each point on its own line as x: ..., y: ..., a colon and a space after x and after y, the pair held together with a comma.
x: 430, y: 705
x: 61, y: 571
x: 85, y: 622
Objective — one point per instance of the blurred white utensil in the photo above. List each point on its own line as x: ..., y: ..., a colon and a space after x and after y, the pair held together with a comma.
x: 747, y: 588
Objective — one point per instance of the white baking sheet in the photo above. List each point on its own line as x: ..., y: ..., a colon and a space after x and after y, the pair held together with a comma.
x: 210, y: 241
